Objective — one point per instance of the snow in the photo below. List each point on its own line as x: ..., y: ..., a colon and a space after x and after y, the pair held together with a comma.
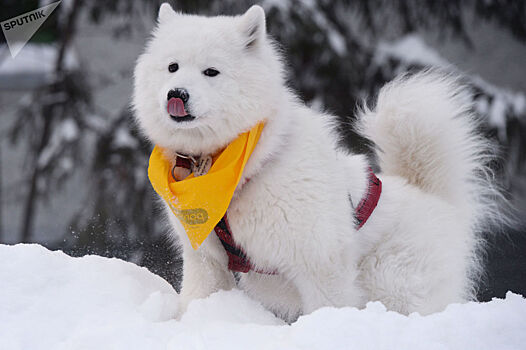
x: 337, y: 42
x: 35, y: 58
x: 52, y: 301
x: 69, y: 129
x: 123, y: 138
x: 410, y: 49
x: 33, y: 66
x: 66, y: 131
x: 504, y: 103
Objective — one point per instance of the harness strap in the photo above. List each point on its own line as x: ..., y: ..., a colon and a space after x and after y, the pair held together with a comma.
x: 238, y: 260
x: 368, y: 202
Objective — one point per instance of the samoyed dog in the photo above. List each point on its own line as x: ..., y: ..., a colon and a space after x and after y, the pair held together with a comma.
x: 296, y: 220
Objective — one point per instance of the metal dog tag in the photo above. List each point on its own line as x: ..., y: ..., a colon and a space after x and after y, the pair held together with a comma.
x: 202, y: 166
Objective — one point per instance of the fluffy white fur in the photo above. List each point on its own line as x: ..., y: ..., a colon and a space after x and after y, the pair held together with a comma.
x: 418, y: 250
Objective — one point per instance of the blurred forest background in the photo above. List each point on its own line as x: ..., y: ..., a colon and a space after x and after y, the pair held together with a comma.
x: 73, y: 168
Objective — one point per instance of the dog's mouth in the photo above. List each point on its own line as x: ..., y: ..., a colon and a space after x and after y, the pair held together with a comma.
x: 185, y: 118
x: 175, y: 107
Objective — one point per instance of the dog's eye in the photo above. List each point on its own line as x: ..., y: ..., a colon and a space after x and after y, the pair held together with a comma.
x: 173, y: 67
x: 211, y: 72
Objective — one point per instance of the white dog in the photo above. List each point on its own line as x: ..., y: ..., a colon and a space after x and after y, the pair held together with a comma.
x: 295, y: 218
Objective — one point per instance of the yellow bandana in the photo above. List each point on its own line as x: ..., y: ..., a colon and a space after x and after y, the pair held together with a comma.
x: 200, y: 202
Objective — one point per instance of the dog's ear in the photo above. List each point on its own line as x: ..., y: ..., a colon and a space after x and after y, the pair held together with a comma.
x: 165, y: 13
x: 253, y: 26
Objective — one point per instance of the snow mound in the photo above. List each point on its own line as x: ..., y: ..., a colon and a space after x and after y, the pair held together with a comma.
x: 49, y: 300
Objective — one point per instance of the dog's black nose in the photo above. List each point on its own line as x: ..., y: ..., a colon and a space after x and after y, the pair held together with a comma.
x: 179, y: 93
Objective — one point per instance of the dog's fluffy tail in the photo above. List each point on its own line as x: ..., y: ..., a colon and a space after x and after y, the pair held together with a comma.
x: 426, y: 133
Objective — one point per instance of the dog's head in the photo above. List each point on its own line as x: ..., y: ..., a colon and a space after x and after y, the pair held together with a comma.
x: 204, y: 80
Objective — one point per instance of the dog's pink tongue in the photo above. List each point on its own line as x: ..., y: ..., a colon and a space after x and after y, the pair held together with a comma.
x: 176, y: 107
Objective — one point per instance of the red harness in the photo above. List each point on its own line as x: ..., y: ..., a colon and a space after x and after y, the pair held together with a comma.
x: 238, y: 261
x: 369, y: 201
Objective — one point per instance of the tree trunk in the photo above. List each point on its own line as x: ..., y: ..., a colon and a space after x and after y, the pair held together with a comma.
x: 31, y: 199
x: 48, y: 115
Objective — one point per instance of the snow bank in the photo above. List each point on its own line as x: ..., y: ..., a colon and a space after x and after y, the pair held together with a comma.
x: 49, y: 300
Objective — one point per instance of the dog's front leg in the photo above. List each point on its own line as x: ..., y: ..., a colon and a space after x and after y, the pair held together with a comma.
x: 203, y: 273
